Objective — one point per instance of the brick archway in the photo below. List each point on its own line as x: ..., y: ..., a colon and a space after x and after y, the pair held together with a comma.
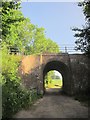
x: 74, y: 70
x: 63, y: 69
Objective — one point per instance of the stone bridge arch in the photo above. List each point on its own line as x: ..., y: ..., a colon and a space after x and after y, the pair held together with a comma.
x: 62, y: 68
x: 74, y: 69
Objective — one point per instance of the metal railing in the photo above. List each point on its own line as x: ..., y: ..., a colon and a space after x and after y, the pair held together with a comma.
x: 64, y: 48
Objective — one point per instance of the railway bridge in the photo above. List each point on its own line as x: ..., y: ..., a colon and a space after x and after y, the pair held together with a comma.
x: 73, y: 68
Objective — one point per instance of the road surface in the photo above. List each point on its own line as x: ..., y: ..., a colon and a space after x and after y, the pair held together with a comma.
x: 55, y: 105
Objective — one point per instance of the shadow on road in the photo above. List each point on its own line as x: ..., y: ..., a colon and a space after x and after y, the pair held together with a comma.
x: 55, y: 105
x: 53, y: 91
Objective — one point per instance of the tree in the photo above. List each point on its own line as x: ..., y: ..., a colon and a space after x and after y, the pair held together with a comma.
x: 83, y: 35
x: 48, y: 77
x: 17, y: 31
x: 11, y: 18
x: 19, y: 34
x: 10, y: 15
x: 41, y: 44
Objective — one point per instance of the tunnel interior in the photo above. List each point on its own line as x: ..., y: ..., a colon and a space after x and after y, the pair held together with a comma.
x: 61, y: 68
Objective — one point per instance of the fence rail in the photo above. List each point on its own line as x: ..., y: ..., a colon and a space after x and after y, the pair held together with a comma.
x: 68, y: 48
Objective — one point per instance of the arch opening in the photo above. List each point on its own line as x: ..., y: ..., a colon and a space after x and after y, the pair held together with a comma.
x: 63, y: 71
x: 53, y: 81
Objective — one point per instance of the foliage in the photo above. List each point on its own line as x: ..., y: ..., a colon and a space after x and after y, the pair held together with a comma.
x: 13, y: 25
x: 9, y: 65
x: 55, y: 83
x: 41, y: 44
x: 48, y: 77
x: 14, y: 98
x: 14, y: 95
x: 10, y: 15
x: 19, y: 32
x: 83, y: 35
x: 52, y: 81
x: 86, y: 8
x: 21, y: 35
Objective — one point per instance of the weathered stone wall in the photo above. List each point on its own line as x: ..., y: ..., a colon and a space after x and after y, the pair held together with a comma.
x: 62, y: 57
x: 29, y: 71
x: 75, y: 73
x: 80, y: 68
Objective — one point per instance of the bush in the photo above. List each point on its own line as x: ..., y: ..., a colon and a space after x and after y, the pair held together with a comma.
x: 14, y: 95
x: 15, y: 98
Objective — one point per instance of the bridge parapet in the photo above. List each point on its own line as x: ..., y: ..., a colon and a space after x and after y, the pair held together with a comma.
x: 62, y: 57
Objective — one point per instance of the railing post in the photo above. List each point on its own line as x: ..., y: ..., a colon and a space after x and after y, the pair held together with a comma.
x: 65, y: 49
x: 40, y: 59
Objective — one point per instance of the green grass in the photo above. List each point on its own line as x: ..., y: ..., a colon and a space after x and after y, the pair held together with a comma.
x: 55, y: 83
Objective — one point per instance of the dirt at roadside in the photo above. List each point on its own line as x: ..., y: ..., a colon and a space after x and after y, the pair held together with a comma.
x: 55, y: 105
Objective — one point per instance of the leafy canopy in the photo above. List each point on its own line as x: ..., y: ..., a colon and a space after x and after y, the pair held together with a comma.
x: 19, y: 32
x: 83, y: 35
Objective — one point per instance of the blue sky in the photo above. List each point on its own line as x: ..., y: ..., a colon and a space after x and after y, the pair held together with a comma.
x: 57, y: 18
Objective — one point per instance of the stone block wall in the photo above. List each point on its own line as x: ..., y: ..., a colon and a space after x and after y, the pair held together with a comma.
x: 31, y: 71
x: 80, y: 69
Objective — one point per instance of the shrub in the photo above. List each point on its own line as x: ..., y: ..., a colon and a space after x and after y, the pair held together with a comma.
x: 14, y: 96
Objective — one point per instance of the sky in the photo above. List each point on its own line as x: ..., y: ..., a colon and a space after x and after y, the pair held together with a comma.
x: 58, y: 74
x: 58, y: 19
